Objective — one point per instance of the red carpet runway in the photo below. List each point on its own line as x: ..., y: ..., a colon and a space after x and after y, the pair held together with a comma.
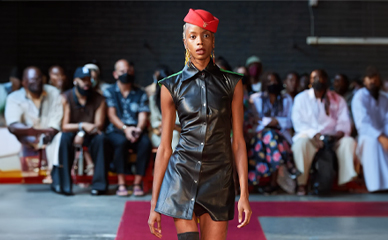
x: 133, y: 225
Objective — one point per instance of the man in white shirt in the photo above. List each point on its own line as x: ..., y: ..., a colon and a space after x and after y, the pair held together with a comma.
x: 320, y: 112
x: 370, y: 111
x: 34, y: 114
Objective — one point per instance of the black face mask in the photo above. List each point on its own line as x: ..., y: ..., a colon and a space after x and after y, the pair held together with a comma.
x: 319, y: 86
x: 274, y: 89
x: 84, y: 92
x: 126, y: 78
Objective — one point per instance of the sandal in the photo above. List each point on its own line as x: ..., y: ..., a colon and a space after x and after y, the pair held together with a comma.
x: 137, y: 190
x: 89, y: 170
x: 122, y: 191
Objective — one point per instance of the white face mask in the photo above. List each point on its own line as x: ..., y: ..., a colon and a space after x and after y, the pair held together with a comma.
x: 256, y: 87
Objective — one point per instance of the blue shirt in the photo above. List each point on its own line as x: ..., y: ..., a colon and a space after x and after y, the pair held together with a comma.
x: 127, y: 109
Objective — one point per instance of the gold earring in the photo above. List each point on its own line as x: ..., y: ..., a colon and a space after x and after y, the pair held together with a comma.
x: 187, y: 56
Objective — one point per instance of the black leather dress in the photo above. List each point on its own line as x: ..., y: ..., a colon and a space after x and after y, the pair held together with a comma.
x: 200, y: 169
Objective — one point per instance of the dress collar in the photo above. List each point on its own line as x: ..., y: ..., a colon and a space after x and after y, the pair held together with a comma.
x: 190, y: 70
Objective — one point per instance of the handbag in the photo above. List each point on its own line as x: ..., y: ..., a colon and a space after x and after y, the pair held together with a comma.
x: 323, y: 169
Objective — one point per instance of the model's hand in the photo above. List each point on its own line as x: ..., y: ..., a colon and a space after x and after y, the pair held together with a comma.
x: 244, y: 207
x: 155, y: 218
x: 384, y: 142
x: 274, y: 123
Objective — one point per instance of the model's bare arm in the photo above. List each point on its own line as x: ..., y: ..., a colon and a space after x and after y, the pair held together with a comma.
x: 162, y: 156
x: 240, y: 154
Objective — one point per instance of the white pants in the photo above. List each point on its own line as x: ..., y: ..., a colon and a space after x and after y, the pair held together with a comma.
x: 304, y: 151
x: 375, y: 163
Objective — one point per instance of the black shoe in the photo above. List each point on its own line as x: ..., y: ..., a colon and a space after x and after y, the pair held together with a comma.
x: 95, y: 192
x: 57, y: 189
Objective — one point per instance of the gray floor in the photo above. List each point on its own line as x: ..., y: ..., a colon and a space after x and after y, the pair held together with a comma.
x: 33, y: 212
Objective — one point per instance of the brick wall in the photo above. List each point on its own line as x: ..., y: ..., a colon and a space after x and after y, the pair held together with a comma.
x: 149, y: 33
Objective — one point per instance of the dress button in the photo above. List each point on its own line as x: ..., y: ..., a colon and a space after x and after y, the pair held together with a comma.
x: 195, y: 181
x: 203, y: 74
x: 204, y: 123
x: 204, y: 104
x: 192, y: 199
x: 201, y: 143
x: 199, y: 162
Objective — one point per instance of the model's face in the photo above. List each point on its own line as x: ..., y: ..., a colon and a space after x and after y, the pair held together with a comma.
x: 292, y: 83
x: 199, y: 42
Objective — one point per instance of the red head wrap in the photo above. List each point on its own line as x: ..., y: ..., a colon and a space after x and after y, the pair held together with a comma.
x: 203, y: 19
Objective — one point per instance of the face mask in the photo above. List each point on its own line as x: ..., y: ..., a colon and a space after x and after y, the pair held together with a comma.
x: 125, y: 78
x: 94, y: 82
x: 84, y: 92
x: 256, y: 87
x: 319, y: 86
x: 253, y: 70
x: 274, y: 89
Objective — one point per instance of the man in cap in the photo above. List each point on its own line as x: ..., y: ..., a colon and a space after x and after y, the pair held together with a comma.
x: 255, y: 69
x: 83, y: 123
x: 34, y: 114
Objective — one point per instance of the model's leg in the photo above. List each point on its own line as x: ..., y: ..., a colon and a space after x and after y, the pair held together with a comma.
x: 212, y: 230
x: 187, y: 229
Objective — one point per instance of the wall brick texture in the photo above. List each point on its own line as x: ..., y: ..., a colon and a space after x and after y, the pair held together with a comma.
x: 150, y: 33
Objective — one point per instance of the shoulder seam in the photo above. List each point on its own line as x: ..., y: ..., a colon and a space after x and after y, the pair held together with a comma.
x: 159, y: 82
x: 222, y: 70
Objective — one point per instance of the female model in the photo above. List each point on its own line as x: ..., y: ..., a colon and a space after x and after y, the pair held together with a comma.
x: 196, y: 181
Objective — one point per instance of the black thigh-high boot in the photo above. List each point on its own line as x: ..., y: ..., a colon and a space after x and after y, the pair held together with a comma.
x: 188, y: 236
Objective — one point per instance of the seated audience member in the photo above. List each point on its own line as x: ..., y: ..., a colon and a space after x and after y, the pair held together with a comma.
x: 97, y: 82
x: 15, y: 82
x: 320, y: 112
x: 3, y: 98
x: 34, y: 114
x: 255, y: 69
x: 370, y: 111
x: 304, y: 82
x: 156, y: 115
x: 57, y: 78
x: 291, y: 84
x: 270, y: 148
x: 385, y: 86
x: 83, y: 121
x: 128, y: 110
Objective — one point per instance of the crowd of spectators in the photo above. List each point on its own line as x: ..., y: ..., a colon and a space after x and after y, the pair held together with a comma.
x: 286, y: 122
